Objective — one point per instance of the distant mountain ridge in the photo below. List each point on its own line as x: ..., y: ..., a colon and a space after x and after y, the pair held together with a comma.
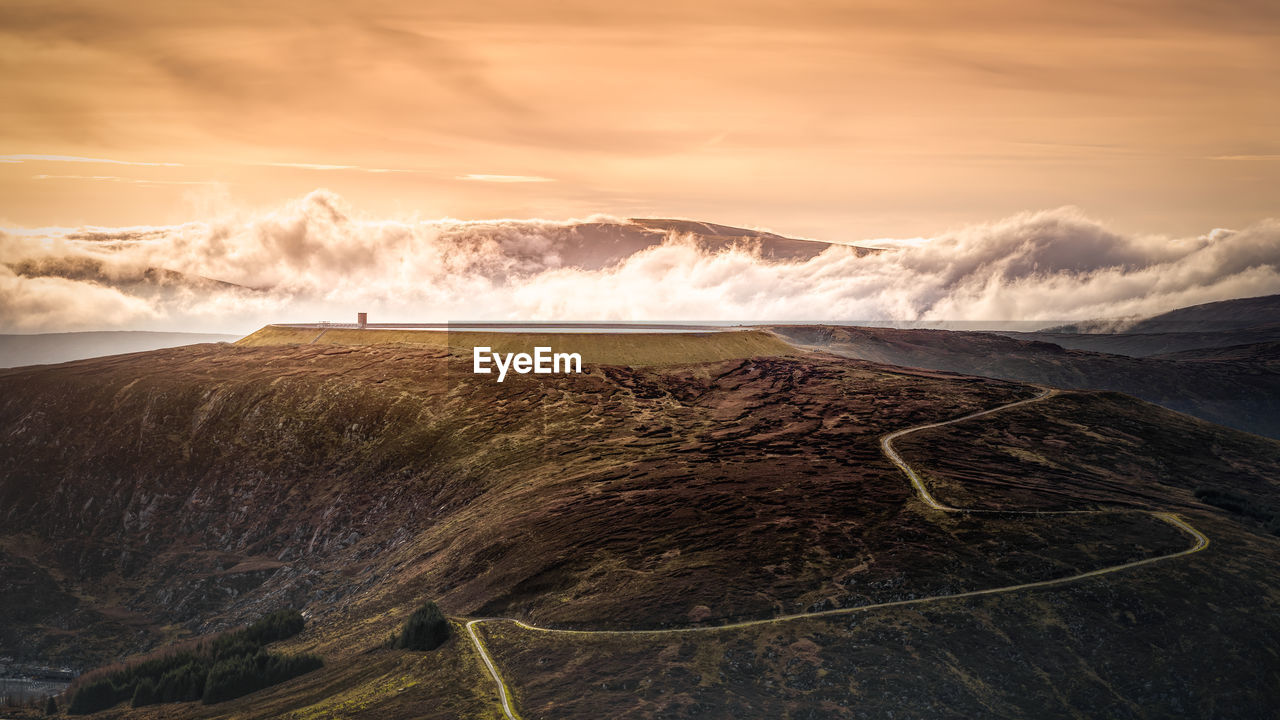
x: 597, y: 245
x: 143, y: 281
x: 47, y: 348
x: 1254, y: 312
x: 718, y: 237
x: 1230, y: 377
x: 497, y: 250
x: 1242, y: 313
x: 1212, y: 325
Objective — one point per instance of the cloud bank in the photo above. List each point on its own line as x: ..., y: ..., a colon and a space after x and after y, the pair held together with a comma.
x: 315, y: 259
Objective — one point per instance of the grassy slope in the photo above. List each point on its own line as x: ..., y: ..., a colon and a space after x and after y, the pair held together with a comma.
x: 1194, y: 637
x: 1105, y: 449
x: 357, y: 480
x: 637, y: 349
x: 1183, y: 639
x: 370, y: 476
x: 47, y: 348
x: 1241, y: 391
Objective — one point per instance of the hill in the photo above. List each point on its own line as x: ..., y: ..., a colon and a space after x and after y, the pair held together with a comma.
x: 638, y: 349
x: 153, y: 497
x: 1150, y: 344
x: 1239, y: 389
x: 1265, y: 355
x: 1211, y: 325
x: 150, y: 282
x: 381, y: 448
x: 599, y: 244
x: 1214, y: 317
x: 46, y: 348
x: 718, y: 237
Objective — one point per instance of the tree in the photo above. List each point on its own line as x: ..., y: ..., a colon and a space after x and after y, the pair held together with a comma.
x: 230, y: 678
x: 230, y: 665
x: 278, y: 625
x: 426, y: 629
x: 144, y: 693
x: 95, y: 696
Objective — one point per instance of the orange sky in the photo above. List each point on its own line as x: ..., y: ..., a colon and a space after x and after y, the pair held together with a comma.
x: 840, y: 120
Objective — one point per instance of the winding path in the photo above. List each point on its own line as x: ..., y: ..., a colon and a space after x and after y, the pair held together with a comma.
x: 886, y: 446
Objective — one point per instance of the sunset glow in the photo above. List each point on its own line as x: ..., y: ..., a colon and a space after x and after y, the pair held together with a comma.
x: 835, y: 120
x: 291, y: 158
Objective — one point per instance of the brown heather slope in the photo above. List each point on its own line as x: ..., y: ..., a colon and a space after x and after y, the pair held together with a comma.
x: 1196, y: 637
x: 46, y: 348
x: 636, y: 349
x: 1253, y: 313
x: 1240, y: 389
x: 1152, y: 344
x: 156, y: 495
x: 1099, y: 448
x: 1188, y: 638
x: 201, y: 485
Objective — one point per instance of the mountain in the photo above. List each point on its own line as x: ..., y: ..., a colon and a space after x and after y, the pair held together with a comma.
x: 1266, y: 355
x: 596, y: 245
x: 1238, y: 388
x: 1149, y: 344
x: 308, y: 263
x: 1212, y: 325
x: 159, y: 496
x: 718, y: 237
x: 142, y: 281
x: 45, y: 348
x: 1238, y: 314
x: 625, y: 348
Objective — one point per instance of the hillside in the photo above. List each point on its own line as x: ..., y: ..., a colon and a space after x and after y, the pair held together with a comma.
x: 46, y: 348
x: 1211, y: 325
x: 1128, y: 645
x: 1214, y: 317
x: 718, y: 237
x: 596, y: 245
x: 151, y: 497
x: 638, y: 349
x: 223, y: 466
x: 1239, y: 389
x: 1156, y: 343
x: 1264, y: 355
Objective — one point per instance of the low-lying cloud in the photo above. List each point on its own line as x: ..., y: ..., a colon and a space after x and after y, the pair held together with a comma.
x: 316, y: 259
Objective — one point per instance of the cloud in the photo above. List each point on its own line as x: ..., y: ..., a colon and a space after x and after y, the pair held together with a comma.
x: 118, y: 179
x: 849, y: 111
x: 313, y: 166
x: 355, y: 168
x: 316, y: 258
x: 506, y: 178
x: 42, y: 304
x: 76, y: 159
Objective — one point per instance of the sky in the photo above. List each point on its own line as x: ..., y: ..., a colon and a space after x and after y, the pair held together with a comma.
x: 852, y: 121
x: 835, y: 120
